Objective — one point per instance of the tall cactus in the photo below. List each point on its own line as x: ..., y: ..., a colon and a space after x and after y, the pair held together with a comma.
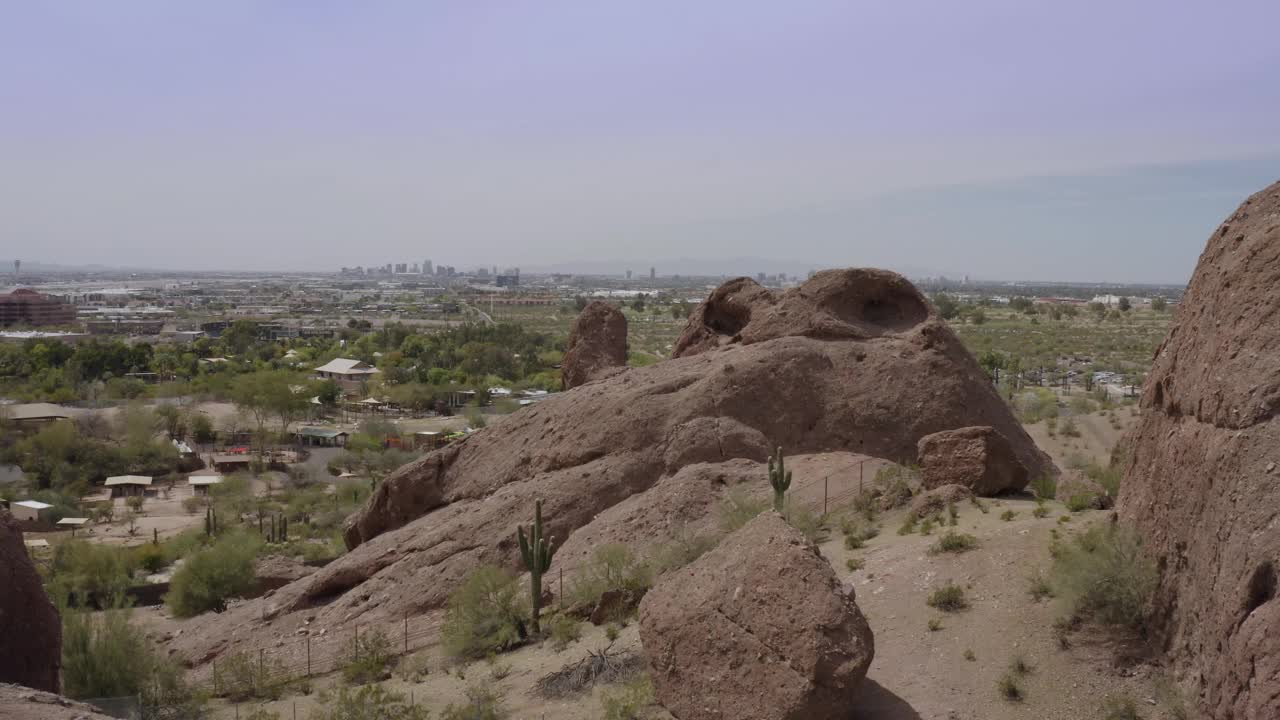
x: 780, y: 479
x: 536, y: 552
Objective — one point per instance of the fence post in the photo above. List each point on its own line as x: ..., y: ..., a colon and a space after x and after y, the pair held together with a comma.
x: 215, y: 678
x: 355, y: 651
x: 262, y: 665
x: 406, y: 633
x: 825, y: 483
x: 560, y: 595
x: 308, y: 656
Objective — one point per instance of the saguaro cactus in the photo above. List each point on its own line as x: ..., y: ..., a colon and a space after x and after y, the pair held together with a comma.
x: 536, y: 552
x: 780, y: 479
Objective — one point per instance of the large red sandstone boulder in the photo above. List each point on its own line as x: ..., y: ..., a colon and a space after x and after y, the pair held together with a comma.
x: 30, y: 630
x: 979, y: 458
x: 852, y: 362
x: 597, y: 345
x: 759, y: 628
x: 1202, y: 482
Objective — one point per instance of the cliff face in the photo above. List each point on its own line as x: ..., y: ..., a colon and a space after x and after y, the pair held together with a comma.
x: 1201, y: 481
x: 30, y: 629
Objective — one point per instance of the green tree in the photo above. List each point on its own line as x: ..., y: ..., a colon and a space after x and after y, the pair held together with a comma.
x: 212, y: 576
x: 1159, y: 304
x: 1125, y: 305
x: 947, y: 307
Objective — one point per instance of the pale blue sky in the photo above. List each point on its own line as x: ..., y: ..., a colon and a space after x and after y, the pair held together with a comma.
x: 999, y: 138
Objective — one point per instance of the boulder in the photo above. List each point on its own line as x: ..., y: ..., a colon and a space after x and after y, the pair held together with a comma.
x: 1201, y: 483
x: 936, y: 500
x: 760, y: 628
x: 979, y: 458
x: 276, y: 571
x: 30, y: 629
x: 851, y: 363
x: 597, y: 345
x: 23, y: 703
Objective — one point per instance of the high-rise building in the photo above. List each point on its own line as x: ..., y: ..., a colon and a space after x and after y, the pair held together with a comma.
x: 426, y: 267
x: 653, y: 273
x: 628, y: 274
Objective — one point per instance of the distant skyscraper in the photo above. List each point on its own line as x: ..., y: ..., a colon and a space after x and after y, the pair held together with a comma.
x: 17, y: 270
x: 628, y: 274
x: 426, y: 268
x: 653, y: 273
x: 415, y: 269
x: 760, y: 278
x: 495, y: 269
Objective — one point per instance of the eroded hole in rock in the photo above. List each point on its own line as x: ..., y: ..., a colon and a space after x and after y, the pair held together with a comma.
x: 887, y: 307
x: 1262, y: 587
x: 726, y: 318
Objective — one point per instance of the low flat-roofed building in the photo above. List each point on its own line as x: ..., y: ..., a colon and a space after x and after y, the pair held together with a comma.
x: 346, y: 369
x: 322, y: 437
x: 72, y: 523
x: 33, y: 415
x: 200, y: 484
x: 28, y: 510
x: 28, y: 307
x: 126, y: 485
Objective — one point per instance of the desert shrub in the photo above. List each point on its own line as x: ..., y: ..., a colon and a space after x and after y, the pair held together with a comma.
x: 630, y: 702
x: 954, y: 542
x: 414, y: 668
x: 953, y: 514
x: 1080, y: 502
x: 858, y: 526
x: 104, y: 655
x: 151, y: 557
x: 243, y: 676
x: 1104, y: 575
x: 1008, y: 515
x: 212, y: 576
x: 926, y: 527
x: 969, y: 655
x: 853, y: 542
x: 612, y: 631
x: 1069, y: 428
x: 483, y: 703
x: 893, y: 484
x: 854, y: 564
x: 1040, y: 511
x: 935, y: 624
x: 563, y: 630
x: 368, y: 702
x: 682, y: 550
x: 739, y: 509
x: 1010, y: 688
x: 1120, y: 707
x: 908, y: 525
x: 368, y: 659
x: 134, y: 502
x: 1039, y: 587
x: 948, y: 598
x: 486, y: 614
x: 977, y: 502
x: 1045, y: 487
x: 809, y: 523
x: 1019, y: 665
x: 262, y: 713
x: 612, y: 567
x: 87, y: 574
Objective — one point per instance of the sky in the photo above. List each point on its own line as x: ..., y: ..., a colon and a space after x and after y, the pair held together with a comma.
x: 1004, y: 139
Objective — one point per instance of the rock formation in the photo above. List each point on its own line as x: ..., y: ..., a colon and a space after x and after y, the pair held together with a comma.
x: 850, y: 362
x: 936, y: 500
x: 979, y: 458
x: 1073, y: 484
x: 23, y: 703
x: 597, y: 345
x: 758, y: 628
x: 30, y: 630
x: 1202, y: 479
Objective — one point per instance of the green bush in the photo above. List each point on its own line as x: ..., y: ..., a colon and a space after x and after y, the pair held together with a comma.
x: 563, y: 630
x: 151, y: 557
x: 1120, y: 707
x: 612, y: 567
x: 104, y: 655
x: 369, y: 658
x: 630, y: 702
x: 483, y: 703
x: 739, y: 509
x: 1104, y: 575
x: 1039, y: 587
x: 244, y: 676
x: 683, y: 549
x: 948, y: 598
x: 1045, y: 487
x: 908, y: 525
x: 1008, y: 515
x: 1010, y: 688
x: 855, y: 564
x: 954, y: 542
x: 809, y: 523
x: 86, y: 574
x: 1040, y: 511
x: 368, y: 702
x: 1080, y: 502
x: 214, y: 575
x: 486, y: 614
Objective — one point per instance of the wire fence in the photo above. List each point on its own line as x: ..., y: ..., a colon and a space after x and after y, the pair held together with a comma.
x: 265, y: 670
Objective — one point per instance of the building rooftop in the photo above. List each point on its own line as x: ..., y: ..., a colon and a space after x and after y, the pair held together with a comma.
x: 346, y: 366
x: 127, y: 480
x: 33, y: 504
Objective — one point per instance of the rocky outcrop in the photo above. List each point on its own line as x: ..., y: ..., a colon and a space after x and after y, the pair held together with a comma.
x: 979, y: 458
x: 597, y: 345
x: 1074, y: 487
x: 276, y: 571
x: 23, y: 703
x: 759, y: 628
x: 30, y: 630
x: 1202, y: 479
x: 852, y: 362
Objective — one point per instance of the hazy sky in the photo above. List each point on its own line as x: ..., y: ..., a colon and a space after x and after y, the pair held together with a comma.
x: 1001, y: 138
